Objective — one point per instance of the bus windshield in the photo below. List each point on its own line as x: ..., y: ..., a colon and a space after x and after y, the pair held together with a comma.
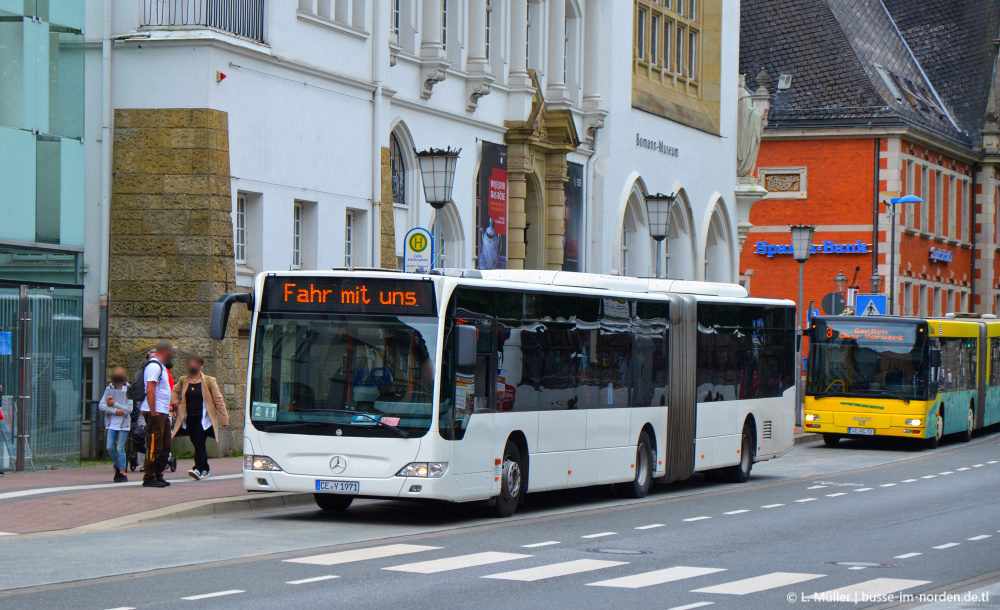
x: 343, y: 375
x: 867, y: 359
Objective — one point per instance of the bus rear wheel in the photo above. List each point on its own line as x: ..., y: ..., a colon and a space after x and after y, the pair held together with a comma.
x: 831, y: 440
x: 639, y: 486
x: 741, y: 472
x: 511, y: 483
x: 333, y: 503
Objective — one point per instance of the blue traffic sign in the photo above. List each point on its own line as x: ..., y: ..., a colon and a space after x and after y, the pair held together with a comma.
x: 871, y: 305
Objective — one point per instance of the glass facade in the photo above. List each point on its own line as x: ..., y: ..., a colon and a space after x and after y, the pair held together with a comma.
x: 41, y: 236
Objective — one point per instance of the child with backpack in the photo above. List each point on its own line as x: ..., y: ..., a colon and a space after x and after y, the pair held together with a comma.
x: 117, y: 420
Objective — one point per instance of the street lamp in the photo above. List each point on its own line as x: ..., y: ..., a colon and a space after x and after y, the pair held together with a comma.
x: 876, y: 282
x: 802, y: 237
x: 891, y: 208
x: 840, y: 282
x: 437, y: 170
x: 658, y: 220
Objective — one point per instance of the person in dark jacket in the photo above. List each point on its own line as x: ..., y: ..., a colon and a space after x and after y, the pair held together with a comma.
x: 201, y: 409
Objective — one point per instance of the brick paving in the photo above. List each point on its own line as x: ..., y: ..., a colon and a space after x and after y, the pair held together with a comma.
x: 74, y: 508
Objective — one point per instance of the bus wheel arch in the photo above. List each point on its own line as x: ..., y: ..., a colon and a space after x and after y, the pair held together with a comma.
x: 513, y: 477
x: 517, y: 437
x: 938, y: 415
x: 752, y: 422
x: 643, y: 468
x: 648, y: 429
x: 970, y: 422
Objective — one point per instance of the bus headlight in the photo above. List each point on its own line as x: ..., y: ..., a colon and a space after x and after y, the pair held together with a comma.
x: 812, y: 417
x: 434, y: 470
x: 912, y: 422
x: 259, y: 462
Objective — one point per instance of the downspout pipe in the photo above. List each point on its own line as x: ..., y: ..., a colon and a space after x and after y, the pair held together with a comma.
x: 107, y: 118
x: 972, y: 237
x: 588, y: 221
x: 878, y: 144
x: 379, y: 42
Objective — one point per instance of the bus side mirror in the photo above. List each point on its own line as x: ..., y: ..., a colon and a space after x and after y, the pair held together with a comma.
x: 934, y: 358
x: 220, y: 312
x: 465, y: 346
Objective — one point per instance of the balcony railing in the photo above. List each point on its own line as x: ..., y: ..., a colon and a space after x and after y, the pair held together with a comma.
x: 240, y: 17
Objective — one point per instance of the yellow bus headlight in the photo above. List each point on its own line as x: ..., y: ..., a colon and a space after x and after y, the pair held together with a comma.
x: 812, y: 417
x: 912, y: 422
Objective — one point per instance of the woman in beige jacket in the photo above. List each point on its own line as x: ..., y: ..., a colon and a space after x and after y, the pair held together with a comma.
x: 200, y: 411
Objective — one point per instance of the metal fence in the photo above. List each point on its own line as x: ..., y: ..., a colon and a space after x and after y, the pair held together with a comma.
x: 240, y: 17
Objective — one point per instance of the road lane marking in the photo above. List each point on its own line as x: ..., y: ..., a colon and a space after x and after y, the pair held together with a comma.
x: 929, y: 476
x: 759, y: 583
x: 806, y: 500
x: 601, y: 535
x: 309, y: 580
x: 123, y: 608
x: 946, y: 472
x: 701, y: 518
x: 907, y: 555
x: 447, y: 564
x: 658, y: 577
x: 993, y: 461
x: 839, y: 493
x: 736, y: 512
x: 856, y: 568
x: 864, y: 489
x: 375, y: 552
x: 538, y: 544
x: 650, y: 526
x: 557, y: 569
x: 947, y: 546
x: 692, y: 606
x: 962, y: 469
x: 772, y: 505
x: 910, y: 481
x: 982, y: 537
x: 887, y: 485
x: 216, y: 594
x: 868, y: 589
x: 817, y: 487
x: 977, y: 465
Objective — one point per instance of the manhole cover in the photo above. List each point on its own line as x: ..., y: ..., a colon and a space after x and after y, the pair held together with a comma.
x: 860, y: 564
x: 617, y: 551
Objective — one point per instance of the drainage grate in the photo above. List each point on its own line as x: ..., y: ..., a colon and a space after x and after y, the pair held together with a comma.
x: 860, y: 564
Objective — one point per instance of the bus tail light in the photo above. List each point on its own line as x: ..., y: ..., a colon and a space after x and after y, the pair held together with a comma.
x: 434, y: 470
x: 912, y: 422
x: 259, y: 462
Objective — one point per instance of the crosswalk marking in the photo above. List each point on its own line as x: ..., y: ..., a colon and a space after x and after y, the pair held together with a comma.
x: 553, y: 570
x: 807, y: 500
x: 772, y: 505
x: 839, y: 493
x: 702, y: 518
x: 867, y: 589
x: 376, y: 552
x: 759, y: 583
x: 650, y: 526
x: 907, y: 555
x: 600, y: 535
x: 887, y: 485
x: 447, y: 564
x: 539, y: 544
x: 209, y: 595
x: 736, y: 512
x: 982, y: 537
x: 692, y: 606
x: 947, y: 546
x: 313, y: 579
x: 658, y: 577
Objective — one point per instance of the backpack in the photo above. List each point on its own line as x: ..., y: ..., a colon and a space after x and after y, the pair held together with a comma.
x: 136, y: 391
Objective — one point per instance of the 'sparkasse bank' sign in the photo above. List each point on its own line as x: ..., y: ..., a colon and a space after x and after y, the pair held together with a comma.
x: 826, y: 247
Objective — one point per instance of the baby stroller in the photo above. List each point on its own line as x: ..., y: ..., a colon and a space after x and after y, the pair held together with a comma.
x: 136, y: 443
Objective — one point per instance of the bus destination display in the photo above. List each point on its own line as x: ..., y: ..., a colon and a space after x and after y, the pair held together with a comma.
x: 349, y: 295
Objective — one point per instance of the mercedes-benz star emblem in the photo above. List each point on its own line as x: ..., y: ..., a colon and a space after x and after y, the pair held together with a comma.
x: 338, y: 464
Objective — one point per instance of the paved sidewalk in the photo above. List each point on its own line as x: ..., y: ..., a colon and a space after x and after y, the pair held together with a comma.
x: 52, y: 500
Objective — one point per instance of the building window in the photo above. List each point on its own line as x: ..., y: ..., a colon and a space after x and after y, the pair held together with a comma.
x: 624, y: 270
x: 297, y: 235
x: 692, y: 56
x: 907, y: 299
x: 489, y: 23
x: 444, y: 25
x: 349, y: 239
x: 240, y: 230
x: 397, y: 169
x: 938, y: 203
x: 640, y: 35
x: 395, y: 21
x: 925, y: 194
x: 654, y: 41
x: 923, y: 302
x: 909, y: 191
x: 783, y: 182
x: 954, y: 190
x: 966, y: 212
x: 668, y: 29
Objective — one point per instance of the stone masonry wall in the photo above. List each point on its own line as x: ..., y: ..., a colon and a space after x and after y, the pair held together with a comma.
x: 387, y: 247
x: 172, y: 246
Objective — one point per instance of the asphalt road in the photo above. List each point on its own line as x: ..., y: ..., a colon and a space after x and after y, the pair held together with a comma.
x: 846, y: 525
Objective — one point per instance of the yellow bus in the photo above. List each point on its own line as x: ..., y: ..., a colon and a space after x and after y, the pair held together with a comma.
x: 906, y: 377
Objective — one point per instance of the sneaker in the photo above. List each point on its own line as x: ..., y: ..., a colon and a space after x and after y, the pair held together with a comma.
x: 204, y: 474
x: 195, y: 474
x: 165, y: 482
x: 119, y: 477
x: 142, y: 469
x: 154, y: 483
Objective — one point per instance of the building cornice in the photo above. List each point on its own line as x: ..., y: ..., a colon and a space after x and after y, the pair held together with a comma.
x: 444, y: 114
x: 910, y: 134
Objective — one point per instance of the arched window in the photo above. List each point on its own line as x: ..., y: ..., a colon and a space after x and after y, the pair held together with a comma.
x: 397, y: 169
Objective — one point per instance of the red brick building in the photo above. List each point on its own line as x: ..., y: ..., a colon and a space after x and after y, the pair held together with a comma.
x: 869, y: 101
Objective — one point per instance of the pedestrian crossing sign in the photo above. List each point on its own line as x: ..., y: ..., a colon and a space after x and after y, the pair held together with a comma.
x: 871, y: 305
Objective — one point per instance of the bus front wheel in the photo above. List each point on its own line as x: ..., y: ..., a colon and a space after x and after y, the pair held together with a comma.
x: 511, y: 483
x: 333, y: 503
x: 935, y: 440
x: 831, y: 440
x: 639, y: 486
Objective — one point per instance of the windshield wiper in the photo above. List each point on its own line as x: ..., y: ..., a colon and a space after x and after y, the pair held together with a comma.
x: 873, y: 393
x: 402, y: 433
x: 264, y: 427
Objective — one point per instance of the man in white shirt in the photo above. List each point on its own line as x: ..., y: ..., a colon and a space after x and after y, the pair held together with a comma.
x: 155, y: 409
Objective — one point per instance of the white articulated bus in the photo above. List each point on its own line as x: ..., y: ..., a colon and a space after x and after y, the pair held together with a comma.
x: 469, y: 385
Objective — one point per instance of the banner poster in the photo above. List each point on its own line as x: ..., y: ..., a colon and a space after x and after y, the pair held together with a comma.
x: 573, y: 217
x: 491, y: 225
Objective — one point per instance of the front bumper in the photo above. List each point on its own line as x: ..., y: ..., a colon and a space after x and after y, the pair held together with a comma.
x: 832, y: 422
x: 392, y: 487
